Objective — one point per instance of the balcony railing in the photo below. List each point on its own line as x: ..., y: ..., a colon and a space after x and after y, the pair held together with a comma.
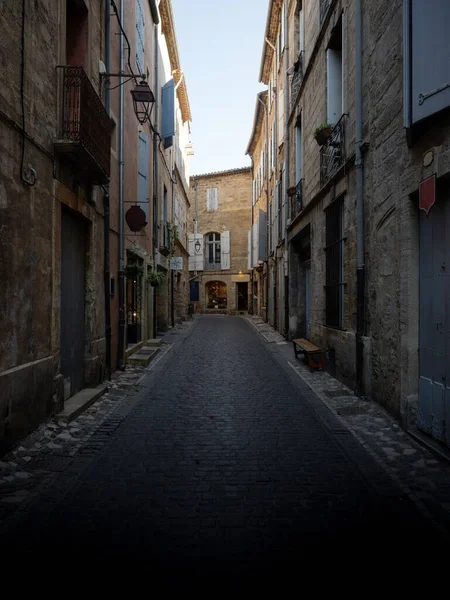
x: 86, y: 126
x: 297, y: 77
x: 164, y: 238
x: 324, y: 6
x: 297, y: 200
x: 332, y: 153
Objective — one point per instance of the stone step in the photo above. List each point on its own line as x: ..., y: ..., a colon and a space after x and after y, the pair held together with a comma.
x: 132, y: 348
x: 155, y: 343
x: 77, y: 404
x: 143, y: 357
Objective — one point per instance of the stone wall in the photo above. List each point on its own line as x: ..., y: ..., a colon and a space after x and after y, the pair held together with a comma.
x: 30, y: 221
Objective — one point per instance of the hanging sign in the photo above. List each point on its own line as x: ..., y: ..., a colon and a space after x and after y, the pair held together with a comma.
x: 427, y: 193
x: 176, y: 263
x: 135, y: 218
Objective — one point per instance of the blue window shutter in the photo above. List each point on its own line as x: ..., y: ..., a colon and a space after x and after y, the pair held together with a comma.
x: 143, y: 168
x: 168, y: 113
x: 430, y: 87
x: 139, y: 36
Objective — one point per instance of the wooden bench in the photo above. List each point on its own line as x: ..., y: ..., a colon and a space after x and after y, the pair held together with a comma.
x: 314, y: 355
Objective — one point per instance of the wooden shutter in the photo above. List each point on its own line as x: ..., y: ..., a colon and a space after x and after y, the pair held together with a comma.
x: 255, y: 243
x: 168, y: 113
x: 212, y: 201
x: 139, y: 36
x: 143, y: 168
x: 274, y: 146
x: 225, y: 250
x: 275, y: 217
x: 262, y: 226
x: 280, y: 117
x: 191, y: 250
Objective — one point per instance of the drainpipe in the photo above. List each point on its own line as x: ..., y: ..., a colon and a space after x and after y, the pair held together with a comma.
x: 106, y: 211
x: 251, y: 232
x: 266, y: 110
x: 156, y: 169
x: 286, y: 166
x: 360, y: 273
x: 121, y: 203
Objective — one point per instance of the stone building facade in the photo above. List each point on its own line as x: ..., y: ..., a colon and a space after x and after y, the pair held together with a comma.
x: 52, y: 302
x: 366, y: 266
x: 76, y: 278
x: 219, y: 221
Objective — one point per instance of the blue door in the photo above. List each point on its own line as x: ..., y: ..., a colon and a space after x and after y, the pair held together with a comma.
x: 434, y: 335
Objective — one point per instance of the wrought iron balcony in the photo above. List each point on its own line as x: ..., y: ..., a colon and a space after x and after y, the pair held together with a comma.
x: 297, y: 200
x: 297, y: 77
x: 332, y: 153
x: 324, y: 6
x: 86, y: 127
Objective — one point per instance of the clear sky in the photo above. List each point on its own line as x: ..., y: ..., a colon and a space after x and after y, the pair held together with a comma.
x: 220, y: 44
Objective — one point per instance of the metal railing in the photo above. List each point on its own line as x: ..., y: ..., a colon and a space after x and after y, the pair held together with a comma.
x: 297, y: 200
x: 332, y: 153
x: 297, y: 78
x: 324, y: 6
x: 85, y: 120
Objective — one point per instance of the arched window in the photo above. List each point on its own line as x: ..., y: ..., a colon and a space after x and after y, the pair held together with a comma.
x: 212, y: 242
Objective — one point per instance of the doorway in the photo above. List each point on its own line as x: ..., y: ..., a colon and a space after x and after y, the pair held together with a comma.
x: 242, y: 292
x: 434, y: 319
x: 73, y: 249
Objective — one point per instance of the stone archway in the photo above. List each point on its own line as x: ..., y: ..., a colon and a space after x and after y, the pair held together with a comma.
x: 216, y: 295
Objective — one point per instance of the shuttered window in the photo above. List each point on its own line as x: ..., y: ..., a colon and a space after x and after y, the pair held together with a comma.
x: 427, y: 58
x: 139, y: 36
x: 280, y: 117
x: 212, y: 199
x: 168, y: 113
x: 143, y: 170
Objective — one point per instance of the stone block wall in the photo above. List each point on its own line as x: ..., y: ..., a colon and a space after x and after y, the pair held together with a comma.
x: 30, y: 221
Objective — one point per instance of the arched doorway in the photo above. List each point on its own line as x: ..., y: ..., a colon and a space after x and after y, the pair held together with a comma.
x: 216, y: 295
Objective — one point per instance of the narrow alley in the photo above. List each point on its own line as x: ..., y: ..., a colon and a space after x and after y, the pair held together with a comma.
x: 231, y: 463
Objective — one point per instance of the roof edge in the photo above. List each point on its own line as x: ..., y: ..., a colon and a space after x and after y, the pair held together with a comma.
x: 226, y: 172
x: 257, y: 119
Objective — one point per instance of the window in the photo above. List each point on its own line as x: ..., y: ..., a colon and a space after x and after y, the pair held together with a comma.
x: 280, y: 117
x: 143, y: 171
x: 335, y: 75
x: 213, y: 253
x: 212, y: 200
x: 274, y: 147
x: 298, y: 151
x: 77, y: 34
x: 281, y: 34
x: 280, y: 207
x: 139, y: 36
x: 334, y: 255
x: 426, y: 90
x: 301, y: 28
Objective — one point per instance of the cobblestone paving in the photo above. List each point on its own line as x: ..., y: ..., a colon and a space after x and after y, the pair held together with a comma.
x: 422, y: 475
x: 225, y: 461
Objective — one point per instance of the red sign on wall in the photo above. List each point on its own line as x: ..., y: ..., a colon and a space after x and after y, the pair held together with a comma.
x: 427, y: 193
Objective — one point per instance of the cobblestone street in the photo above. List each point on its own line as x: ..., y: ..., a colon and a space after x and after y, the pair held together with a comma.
x: 232, y: 462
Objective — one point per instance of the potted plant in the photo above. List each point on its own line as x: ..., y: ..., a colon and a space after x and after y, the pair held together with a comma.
x: 323, y: 133
x: 134, y: 270
x: 156, y: 278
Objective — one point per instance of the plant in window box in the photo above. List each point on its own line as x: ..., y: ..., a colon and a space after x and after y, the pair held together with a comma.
x: 323, y: 133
